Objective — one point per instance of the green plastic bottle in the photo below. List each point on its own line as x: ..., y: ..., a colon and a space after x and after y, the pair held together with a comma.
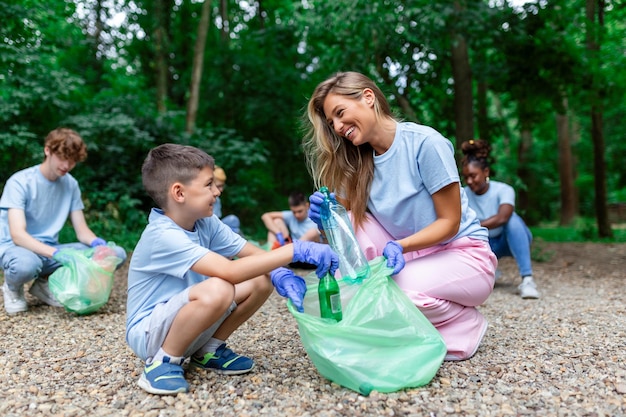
x: 330, y: 298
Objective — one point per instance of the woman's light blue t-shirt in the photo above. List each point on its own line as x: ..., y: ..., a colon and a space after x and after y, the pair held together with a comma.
x: 419, y: 163
x: 488, y: 204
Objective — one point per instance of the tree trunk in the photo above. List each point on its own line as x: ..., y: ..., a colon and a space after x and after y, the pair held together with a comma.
x: 482, y: 115
x: 160, y: 47
x: 525, y: 144
x: 225, y: 22
x: 597, y: 132
x: 198, y: 63
x: 569, y: 195
x: 463, y: 100
x: 262, y: 16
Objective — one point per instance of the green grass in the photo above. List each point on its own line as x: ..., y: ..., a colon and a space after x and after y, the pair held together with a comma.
x: 582, y: 230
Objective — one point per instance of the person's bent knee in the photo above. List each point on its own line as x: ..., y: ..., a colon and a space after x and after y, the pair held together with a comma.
x: 263, y: 285
x: 214, y: 293
x: 23, y: 267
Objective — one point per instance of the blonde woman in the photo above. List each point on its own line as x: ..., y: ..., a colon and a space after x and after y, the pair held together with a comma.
x: 401, y: 184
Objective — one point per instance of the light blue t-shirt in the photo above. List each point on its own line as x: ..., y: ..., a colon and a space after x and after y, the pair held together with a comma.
x: 161, y: 264
x: 217, y: 208
x: 419, y: 163
x: 46, y: 204
x: 488, y: 204
x: 297, y: 228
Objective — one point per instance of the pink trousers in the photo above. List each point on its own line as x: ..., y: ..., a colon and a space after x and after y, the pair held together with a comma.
x: 446, y: 283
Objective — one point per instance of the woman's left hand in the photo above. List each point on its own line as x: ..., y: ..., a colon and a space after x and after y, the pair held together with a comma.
x: 393, y: 252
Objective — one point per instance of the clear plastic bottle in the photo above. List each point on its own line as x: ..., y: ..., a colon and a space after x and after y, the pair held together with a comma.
x: 340, y: 235
x: 330, y: 299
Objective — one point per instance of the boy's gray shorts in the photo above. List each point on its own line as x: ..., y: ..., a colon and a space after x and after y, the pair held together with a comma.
x: 161, y: 320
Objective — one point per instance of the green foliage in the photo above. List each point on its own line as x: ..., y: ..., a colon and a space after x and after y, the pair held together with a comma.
x: 61, y: 68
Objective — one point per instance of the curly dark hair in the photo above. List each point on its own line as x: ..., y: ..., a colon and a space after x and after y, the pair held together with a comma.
x: 477, y: 151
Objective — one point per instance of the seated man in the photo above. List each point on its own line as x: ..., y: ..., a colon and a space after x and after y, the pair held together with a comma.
x: 293, y: 224
x: 287, y: 225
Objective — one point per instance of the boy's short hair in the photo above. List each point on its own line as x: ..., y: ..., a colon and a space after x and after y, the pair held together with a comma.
x: 66, y: 144
x: 170, y: 163
x: 296, y: 199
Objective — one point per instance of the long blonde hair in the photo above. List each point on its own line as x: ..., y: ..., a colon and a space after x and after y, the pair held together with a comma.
x: 334, y: 161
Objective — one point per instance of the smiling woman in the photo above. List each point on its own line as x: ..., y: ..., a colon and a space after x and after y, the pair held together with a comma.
x: 400, y: 182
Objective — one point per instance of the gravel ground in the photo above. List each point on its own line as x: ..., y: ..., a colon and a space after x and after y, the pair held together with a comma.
x: 562, y: 355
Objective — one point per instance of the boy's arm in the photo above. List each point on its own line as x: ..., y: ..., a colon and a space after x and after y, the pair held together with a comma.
x: 251, y: 265
x: 243, y: 269
x: 21, y: 237
x: 83, y: 232
x: 249, y: 249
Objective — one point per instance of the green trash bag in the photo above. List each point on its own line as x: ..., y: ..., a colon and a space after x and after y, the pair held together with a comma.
x: 383, y: 342
x: 84, y: 280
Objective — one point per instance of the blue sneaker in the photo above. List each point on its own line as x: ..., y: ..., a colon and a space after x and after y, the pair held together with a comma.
x: 224, y: 361
x: 163, y: 378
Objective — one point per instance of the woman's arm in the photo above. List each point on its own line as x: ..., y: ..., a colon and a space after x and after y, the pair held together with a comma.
x: 448, y: 208
x: 505, y: 211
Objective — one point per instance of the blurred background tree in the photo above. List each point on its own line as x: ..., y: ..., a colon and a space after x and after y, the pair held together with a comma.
x: 541, y: 80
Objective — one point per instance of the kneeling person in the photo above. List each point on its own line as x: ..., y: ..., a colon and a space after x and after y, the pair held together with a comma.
x: 185, y: 295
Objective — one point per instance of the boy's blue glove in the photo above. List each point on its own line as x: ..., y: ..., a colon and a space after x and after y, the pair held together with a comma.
x: 98, y: 242
x: 280, y: 238
x: 316, y: 199
x: 289, y: 285
x: 317, y: 254
x: 393, y: 252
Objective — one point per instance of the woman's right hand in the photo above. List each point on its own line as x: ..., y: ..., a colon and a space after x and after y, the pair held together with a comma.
x: 316, y: 200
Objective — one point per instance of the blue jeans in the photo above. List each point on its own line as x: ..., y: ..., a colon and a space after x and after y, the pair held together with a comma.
x: 514, y: 241
x: 232, y: 221
x: 22, y: 266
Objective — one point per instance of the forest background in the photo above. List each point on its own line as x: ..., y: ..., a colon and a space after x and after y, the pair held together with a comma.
x: 543, y: 81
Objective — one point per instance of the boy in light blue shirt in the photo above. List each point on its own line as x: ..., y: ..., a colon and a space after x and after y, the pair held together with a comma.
x: 186, y: 295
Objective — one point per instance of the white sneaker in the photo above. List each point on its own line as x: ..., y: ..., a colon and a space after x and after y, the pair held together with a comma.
x: 41, y: 290
x: 14, y: 301
x: 528, y: 288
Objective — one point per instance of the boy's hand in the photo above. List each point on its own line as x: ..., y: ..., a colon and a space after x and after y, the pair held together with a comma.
x: 317, y: 254
x: 280, y: 238
x: 393, y: 252
x: 289, y: 285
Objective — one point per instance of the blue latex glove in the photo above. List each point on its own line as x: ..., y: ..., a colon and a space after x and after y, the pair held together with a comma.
x: 289, y: 285
x: 62, y: 256
x: 316, y: 199
x: 393, y: 253
x: 280, y: 238
x: 98, y: 242
x: 317, y: 254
